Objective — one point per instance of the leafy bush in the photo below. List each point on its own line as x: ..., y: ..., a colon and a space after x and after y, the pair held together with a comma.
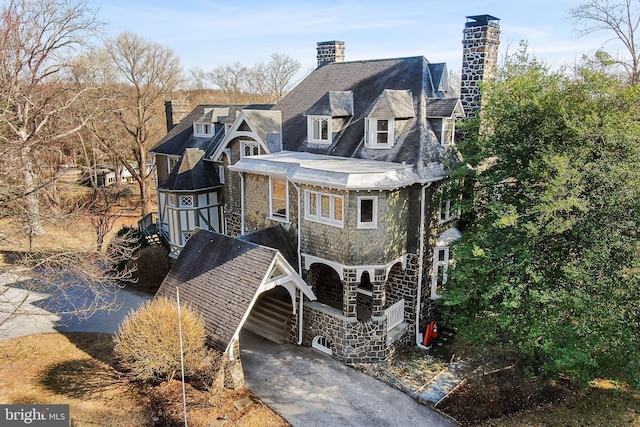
x: 147, y: 342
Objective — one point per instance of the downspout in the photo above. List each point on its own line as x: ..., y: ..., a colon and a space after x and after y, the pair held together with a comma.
x: 241, y: 203
x: 300, y: 299
x: 420, y: 262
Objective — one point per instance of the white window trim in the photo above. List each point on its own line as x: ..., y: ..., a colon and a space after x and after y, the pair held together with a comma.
x: 374, y: 219
x: 371, y: 133
x: 310, y: 122
x: 318, y: 216
x: 285, y: 217
x: 254, y: 145
x: 320, y: 343
x: 221, y: 173
x: 437, y: 264
x: 448, y: 121
x: 202, y: 129
x: 446, y: 211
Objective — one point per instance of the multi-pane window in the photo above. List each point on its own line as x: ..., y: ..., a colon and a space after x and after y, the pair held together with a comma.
x: 278, y: 199
x: 202, y: 129
x: 440, y: 267
x: 379, y: 133
x: 324, y: 207
x: 448, y: 126
x: 249, y: 148
x: 173, y: 161
x: 367, y: 212
x: 448, y: 209
x: 186, y: 201
x: 319, y: 129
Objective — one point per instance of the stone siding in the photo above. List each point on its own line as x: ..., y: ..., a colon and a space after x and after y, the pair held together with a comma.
x: 479, y: 61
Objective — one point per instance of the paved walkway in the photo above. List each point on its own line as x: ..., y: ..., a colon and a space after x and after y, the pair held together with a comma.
x: 309, y: 388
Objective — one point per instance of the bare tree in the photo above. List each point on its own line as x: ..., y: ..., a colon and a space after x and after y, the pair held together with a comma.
x: 278, y: 74
x: 264, y: 82
x: 35, y: 39
x: 38, y: 123
x: 232, y: 80
x: 621, y: 18
x: 150, y: 72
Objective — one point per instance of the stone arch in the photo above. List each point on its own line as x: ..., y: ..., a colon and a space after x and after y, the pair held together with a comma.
x: 326, y: 284
x: 397, y: 273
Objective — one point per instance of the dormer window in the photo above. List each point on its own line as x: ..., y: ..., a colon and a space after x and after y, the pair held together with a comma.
x: 448, y: 126
x: 379, y: 133
x: 319, y: 129
x: 202, y: 129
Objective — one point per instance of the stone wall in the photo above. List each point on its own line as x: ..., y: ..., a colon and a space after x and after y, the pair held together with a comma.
x: 350, y: 341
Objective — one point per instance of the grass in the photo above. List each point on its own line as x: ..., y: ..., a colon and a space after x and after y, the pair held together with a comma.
x: 52, y: 369
x: 605, y: 404
x: 78, y: 369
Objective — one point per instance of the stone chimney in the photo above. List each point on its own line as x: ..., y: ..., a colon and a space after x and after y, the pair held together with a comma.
x: 329, y: 52
x: 481, y: 38
x: 175, y: 111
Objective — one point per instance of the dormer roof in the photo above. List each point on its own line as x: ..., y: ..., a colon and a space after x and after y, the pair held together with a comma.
x: 192, y: 173
x: 396, y: 104
x: 444, y: 107
x: 334, y: 103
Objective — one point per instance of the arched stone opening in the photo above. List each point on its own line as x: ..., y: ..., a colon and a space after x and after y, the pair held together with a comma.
x: 326, y: 285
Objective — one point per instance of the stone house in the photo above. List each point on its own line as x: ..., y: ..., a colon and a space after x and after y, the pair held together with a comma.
x: 343, y: 184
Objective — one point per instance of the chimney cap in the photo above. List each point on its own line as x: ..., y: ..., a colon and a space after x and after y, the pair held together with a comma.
x: 479, y: 20
x: 328, y: 43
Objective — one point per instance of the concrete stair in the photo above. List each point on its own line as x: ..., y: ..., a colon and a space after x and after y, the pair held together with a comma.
x: 270, y: 318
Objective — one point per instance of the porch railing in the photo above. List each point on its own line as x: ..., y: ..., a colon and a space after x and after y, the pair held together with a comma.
x: 395, y: 314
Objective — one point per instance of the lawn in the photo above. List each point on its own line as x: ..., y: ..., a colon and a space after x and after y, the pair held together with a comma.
x: 79, y: 369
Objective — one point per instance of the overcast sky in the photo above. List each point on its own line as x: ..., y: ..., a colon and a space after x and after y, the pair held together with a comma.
x: 208, y: 33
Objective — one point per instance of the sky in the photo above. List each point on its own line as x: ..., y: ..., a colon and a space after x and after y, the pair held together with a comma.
x: 209, y: 33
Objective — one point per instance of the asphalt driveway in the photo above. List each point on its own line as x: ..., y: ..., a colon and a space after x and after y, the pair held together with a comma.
x: 306, y: 387
x: 309, y: 388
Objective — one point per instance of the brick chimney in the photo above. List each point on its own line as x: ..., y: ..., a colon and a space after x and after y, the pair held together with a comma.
x: 329, y: 52
x: 481, y: 38
x: 175, y: 111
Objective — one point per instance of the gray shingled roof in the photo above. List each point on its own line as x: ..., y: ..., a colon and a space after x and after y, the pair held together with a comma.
x: 441, y: 107
x: 416, y: 143
x: 181, y: 136
x: 393, y: 103
x: 192, y: 173
x: 219, y: 276
x: 334, y: 103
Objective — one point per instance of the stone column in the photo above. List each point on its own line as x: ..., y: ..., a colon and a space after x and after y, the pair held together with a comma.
x: 379, y: 295
x: 350, y: 293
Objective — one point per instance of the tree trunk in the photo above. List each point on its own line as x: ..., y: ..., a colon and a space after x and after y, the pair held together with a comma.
x: 32, y: 207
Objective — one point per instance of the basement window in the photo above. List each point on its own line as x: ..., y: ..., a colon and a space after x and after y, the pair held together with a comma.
x: 320, y: 343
